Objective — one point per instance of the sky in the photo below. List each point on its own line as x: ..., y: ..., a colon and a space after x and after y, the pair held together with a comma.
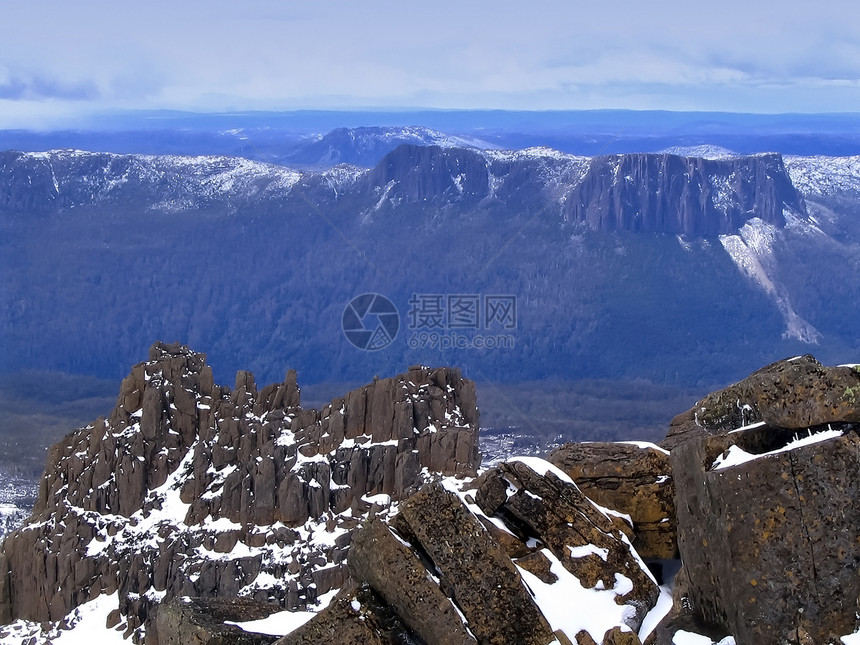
x: 61, y: 60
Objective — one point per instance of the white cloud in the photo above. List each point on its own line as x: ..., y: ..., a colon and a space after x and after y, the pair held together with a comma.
x: 751, y: 55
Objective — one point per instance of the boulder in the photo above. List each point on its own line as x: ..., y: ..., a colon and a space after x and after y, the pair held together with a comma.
x: 632, y: 478
x: 794, y: 393
x: 395, y: 573
x: 473, y: 570
x: 767, y: 528
x: 201, y: 621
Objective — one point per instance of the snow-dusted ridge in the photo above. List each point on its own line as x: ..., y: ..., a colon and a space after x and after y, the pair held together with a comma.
x: 823, y: 176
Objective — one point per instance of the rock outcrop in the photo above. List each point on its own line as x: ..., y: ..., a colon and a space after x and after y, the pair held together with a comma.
x: 581, y: 536
x: 632, y: 478
x: 194, y: 489
x: 796, y: 393
x: 527, y: 560
x: 765, y: 472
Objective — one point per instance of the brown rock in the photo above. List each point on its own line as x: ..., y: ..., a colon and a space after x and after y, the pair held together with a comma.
x: 794, y: 393
x: 202, y: 622
x: 538, y: 564
x: 474, y: 571
x: 764, y: 538
x: 634, y: 479
x: 393, y: 571
x: 617, y: 636
x: 578, y: 533
x: 5, y: 600
x: 251, y: 458
x: 356, y: 616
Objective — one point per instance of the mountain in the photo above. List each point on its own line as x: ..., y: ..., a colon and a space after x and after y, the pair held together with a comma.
x: 725, y: 263
x: 365, y: 146
x: 275, y: 136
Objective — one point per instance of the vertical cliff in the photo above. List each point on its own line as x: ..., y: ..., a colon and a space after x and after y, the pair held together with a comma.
x: 665, y: 193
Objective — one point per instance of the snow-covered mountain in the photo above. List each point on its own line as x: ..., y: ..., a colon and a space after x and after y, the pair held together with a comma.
x: 824, y: 176
x: 365, y: 146
x: 576, y: 239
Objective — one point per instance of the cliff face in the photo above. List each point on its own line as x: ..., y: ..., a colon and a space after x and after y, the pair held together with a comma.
x: 658, y: 193
x: 192, y: 489
x: 663, y: 193
x: 421, y: 173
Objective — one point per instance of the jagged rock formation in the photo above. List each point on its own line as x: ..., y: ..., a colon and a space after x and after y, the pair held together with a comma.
x: 457, y: 569
x: 631, y: 478
x: 766, y: 482
x: 193, y: 489
x: 202, y: 507
x: 690, y: 196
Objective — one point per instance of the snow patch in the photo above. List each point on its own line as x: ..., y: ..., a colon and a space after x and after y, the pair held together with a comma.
x: 735, y: 455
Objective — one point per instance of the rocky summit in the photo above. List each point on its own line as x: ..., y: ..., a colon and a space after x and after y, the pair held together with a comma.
x: 193, y: 489
x: 197, y: 513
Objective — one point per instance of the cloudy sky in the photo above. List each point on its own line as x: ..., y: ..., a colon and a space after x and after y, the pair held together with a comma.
x: 60, y: 60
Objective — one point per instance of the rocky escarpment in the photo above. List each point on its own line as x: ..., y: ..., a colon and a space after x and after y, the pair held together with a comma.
x: 664, y: 193
x: 659, y: 193
x: 372, y: 512
x: 193, y: 489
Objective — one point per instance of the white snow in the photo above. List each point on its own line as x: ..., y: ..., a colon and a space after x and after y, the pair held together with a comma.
x: 682, y: 637
x: 646, y: 445
x: 704, y: 151
x: 542, y: 467
x: 851, y: 639
x: 283, y: 622
x: 588, y: 549
x: 87, y: 626
x: 657, y: 613
x: 570, y: 607
x: 736, y: 455
x: 819, y: 175
x: 752, y: 251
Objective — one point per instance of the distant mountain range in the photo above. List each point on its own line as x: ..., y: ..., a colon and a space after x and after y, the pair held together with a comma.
x: 673, y: 268
x: 315, y: 138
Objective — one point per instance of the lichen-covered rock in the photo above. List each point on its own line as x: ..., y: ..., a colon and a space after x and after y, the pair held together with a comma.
x: 473, y: 569
x: 795, y: 394
x: 764, y: 535
x: 392, y: 570
x: 633, y: 478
